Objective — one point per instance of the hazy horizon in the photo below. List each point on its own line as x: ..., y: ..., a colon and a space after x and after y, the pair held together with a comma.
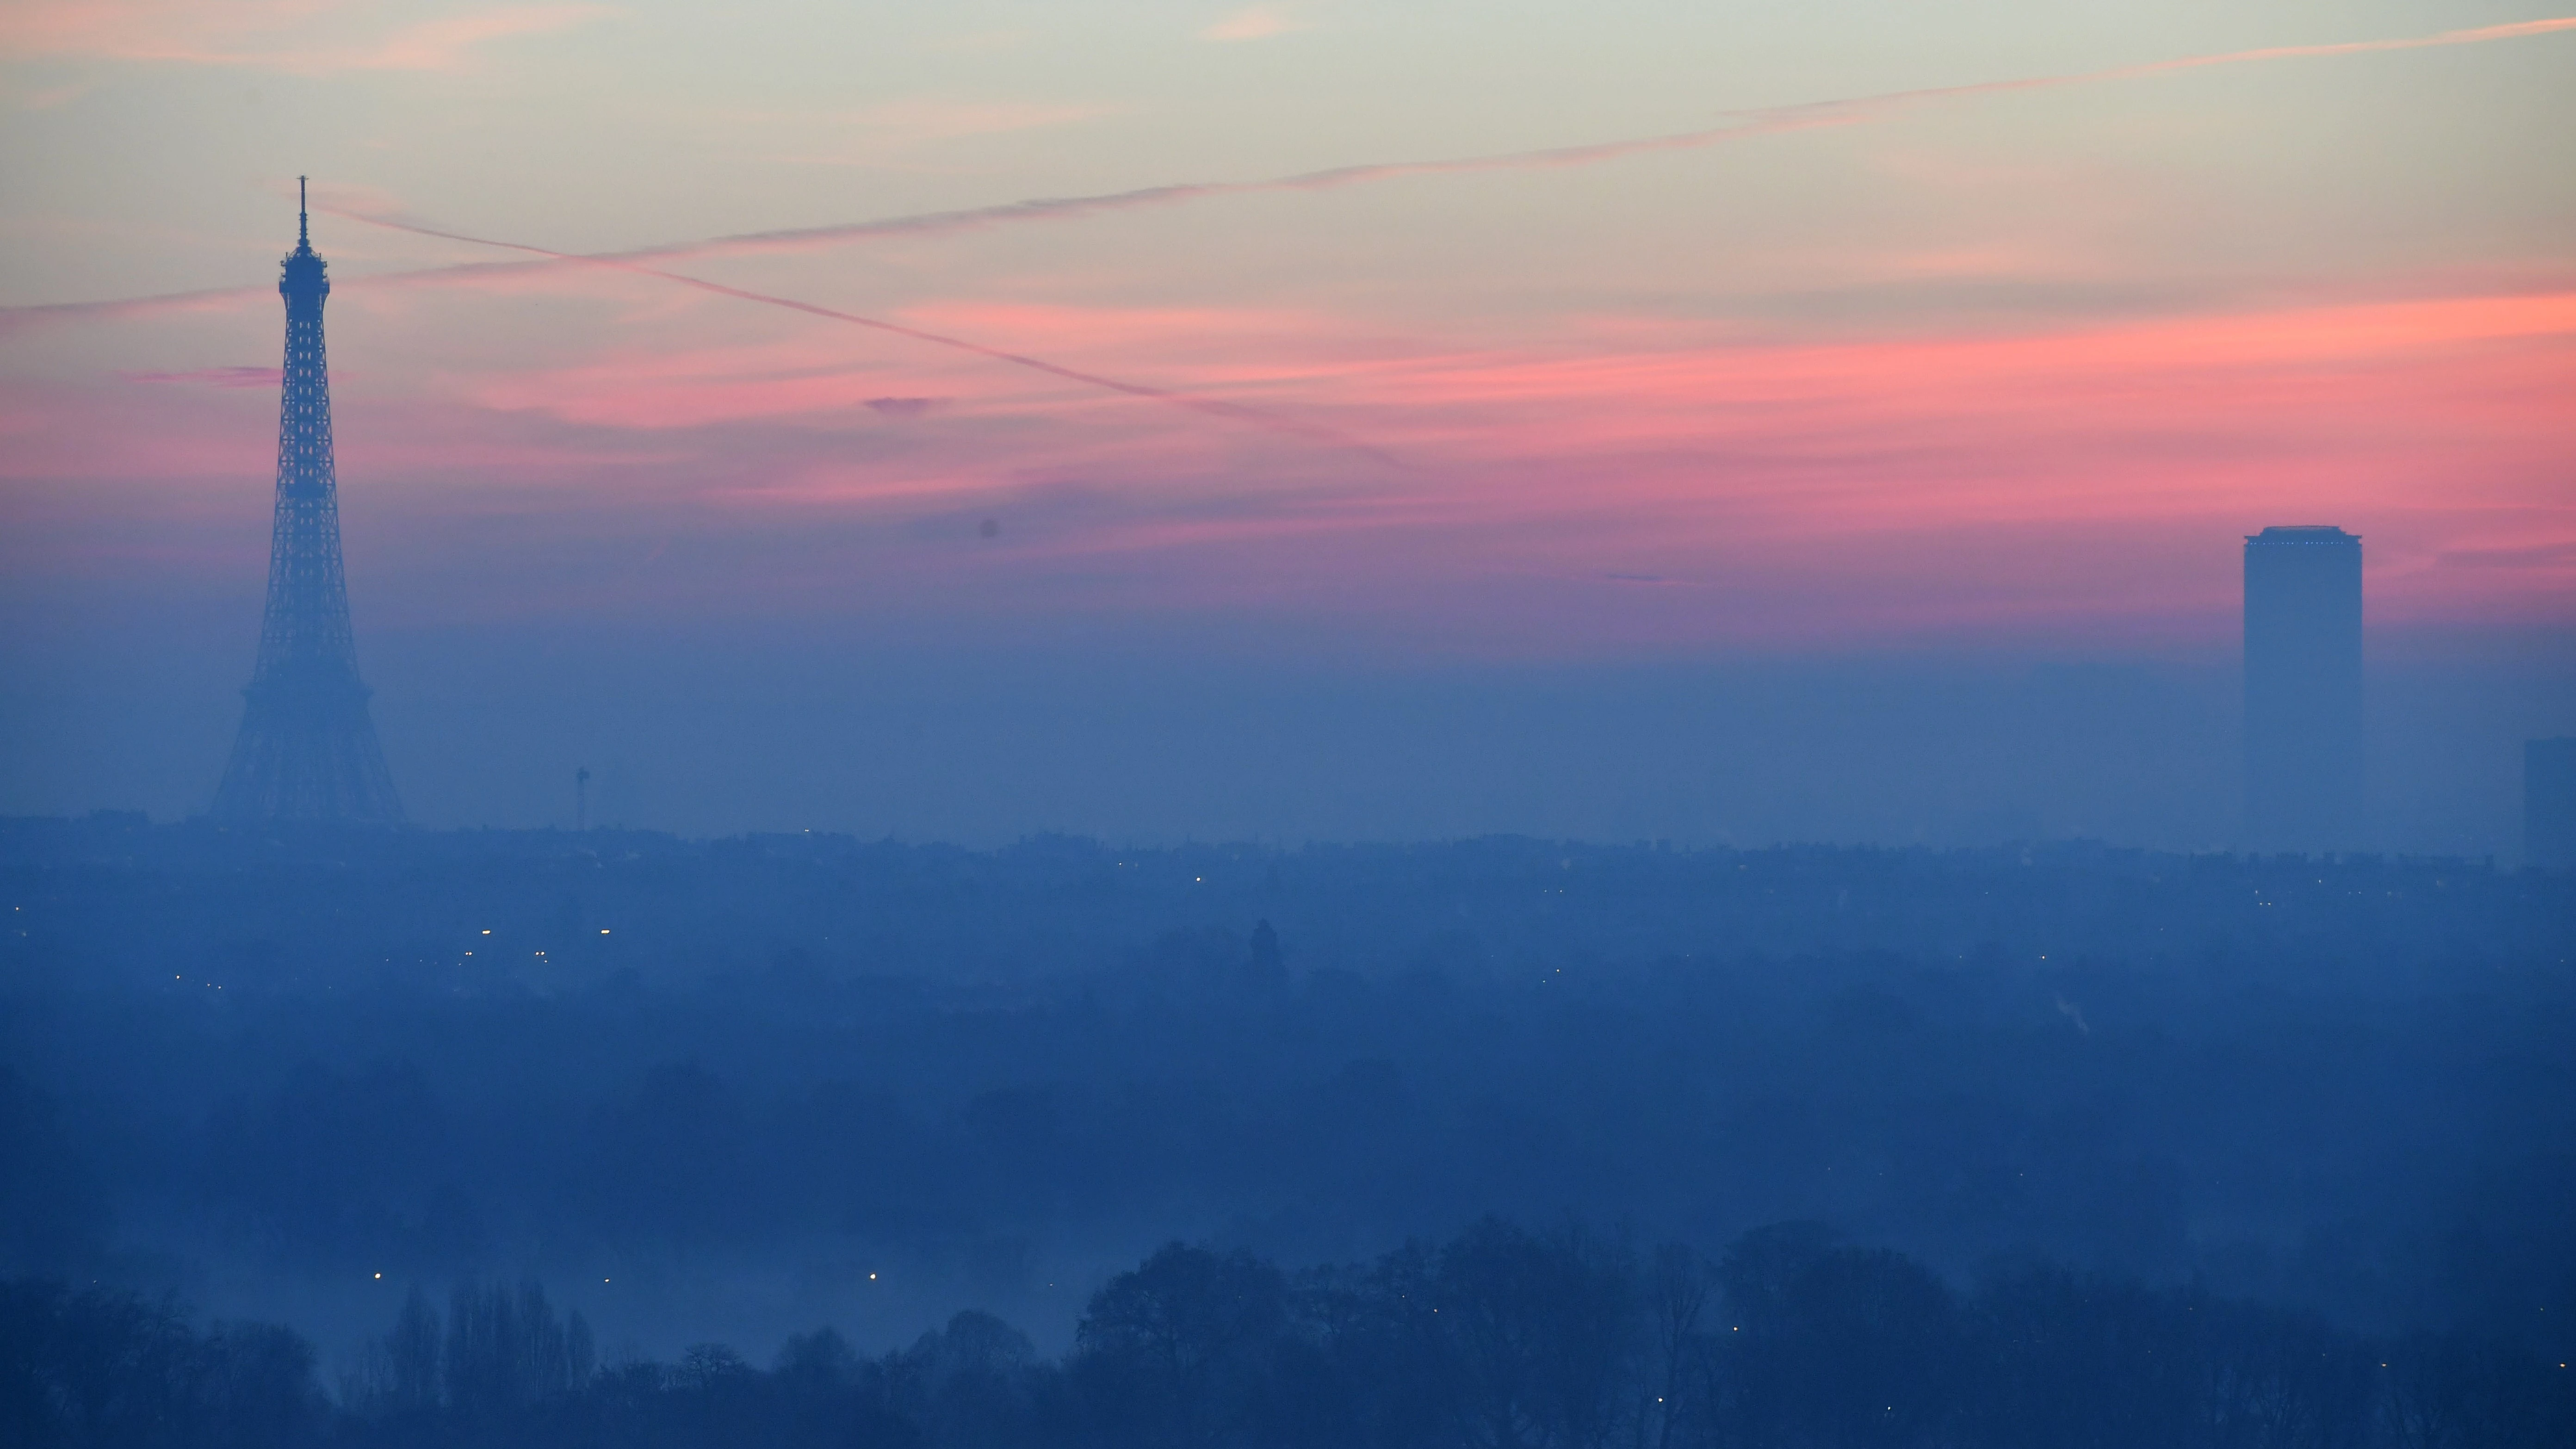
x: 984, y: 746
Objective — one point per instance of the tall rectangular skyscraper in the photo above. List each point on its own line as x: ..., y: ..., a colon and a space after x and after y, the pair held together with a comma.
x: 2303, y: 785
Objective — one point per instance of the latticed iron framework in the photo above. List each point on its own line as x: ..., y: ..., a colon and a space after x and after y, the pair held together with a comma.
x: 307, y: 748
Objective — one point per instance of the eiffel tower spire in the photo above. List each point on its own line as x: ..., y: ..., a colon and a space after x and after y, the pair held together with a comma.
x: 307, y: 748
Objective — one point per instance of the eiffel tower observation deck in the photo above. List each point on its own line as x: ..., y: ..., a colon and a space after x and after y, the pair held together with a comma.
x: 307, y: 750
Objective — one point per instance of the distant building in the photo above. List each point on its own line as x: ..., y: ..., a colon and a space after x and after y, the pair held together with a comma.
x: 2549, y: 803
x: 2303, y: 774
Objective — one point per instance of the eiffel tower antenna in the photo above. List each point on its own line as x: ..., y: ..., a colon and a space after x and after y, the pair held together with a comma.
x: 307, y: 748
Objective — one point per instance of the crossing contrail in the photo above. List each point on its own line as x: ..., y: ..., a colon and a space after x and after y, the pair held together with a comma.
x: 1211, y: 407
x: 1736, y: 124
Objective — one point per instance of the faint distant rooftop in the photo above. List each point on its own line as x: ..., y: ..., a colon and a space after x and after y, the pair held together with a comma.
x: 2302, y: 533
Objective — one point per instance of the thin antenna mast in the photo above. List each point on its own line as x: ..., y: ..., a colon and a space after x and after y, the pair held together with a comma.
x: 303, y: 234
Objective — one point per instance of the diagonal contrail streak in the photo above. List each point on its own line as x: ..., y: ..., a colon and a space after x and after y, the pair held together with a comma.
x: 1212, y: 407
x: 1066, y: 208
x: 1739, y: 123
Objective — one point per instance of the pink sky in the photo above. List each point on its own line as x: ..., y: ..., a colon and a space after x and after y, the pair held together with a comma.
x: 2006, y: 365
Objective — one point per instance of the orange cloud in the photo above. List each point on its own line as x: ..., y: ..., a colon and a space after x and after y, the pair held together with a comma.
x: 1254, y: 22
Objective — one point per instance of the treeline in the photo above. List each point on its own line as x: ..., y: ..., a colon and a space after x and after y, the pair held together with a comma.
x: 119, y: 902
x: 1501, y: 1338
x: 2384, y: 1161
x: 2337, y: 1087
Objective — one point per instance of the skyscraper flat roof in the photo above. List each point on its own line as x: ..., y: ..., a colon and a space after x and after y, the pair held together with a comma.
x: 2303, y: 533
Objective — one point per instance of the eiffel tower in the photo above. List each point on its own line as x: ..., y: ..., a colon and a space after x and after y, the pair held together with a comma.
x: 307, y: 748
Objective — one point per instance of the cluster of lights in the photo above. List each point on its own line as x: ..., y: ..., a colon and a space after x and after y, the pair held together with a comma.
x: 602, y: 930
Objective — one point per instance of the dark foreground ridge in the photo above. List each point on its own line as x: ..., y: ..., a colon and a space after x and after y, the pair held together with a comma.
x: 1498, y: 1337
